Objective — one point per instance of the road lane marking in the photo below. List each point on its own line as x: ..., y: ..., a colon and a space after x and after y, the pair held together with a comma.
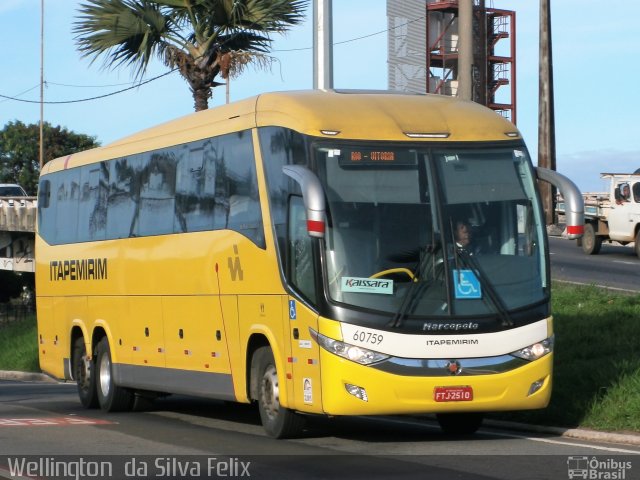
x: 567, y: 444
x: 51, y: 421
x: 624, y: 262
x: 496, y: 432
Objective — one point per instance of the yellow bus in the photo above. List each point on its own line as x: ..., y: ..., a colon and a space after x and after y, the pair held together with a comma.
x: 298, y: 250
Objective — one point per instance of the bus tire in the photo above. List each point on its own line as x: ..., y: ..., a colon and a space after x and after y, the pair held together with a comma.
x: 111, y: 397
x: 460, y: 423
x: 84, y: 373
x: 591, y: 242
x: 278, y: 421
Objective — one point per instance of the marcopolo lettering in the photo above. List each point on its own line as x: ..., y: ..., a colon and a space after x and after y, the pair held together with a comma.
x: 432, y: 327
x: 83, y: 269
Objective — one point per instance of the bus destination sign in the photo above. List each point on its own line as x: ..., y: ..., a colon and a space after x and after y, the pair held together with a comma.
x: 356, y: 157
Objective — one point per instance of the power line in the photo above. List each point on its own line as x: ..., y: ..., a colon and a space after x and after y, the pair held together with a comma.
x: 88, y: 86
x: 14, y: 98
x: 355, y: 38
x: 21, y: 93
x: 91, y: 98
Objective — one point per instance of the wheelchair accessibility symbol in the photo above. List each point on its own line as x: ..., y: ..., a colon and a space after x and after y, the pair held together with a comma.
x: 466, y: 284
x: 292, y: 310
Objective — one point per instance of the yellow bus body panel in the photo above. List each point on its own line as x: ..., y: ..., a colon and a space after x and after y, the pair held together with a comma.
x: 189, y: 305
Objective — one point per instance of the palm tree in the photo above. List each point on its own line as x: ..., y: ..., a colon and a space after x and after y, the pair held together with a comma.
x: 199, y: 38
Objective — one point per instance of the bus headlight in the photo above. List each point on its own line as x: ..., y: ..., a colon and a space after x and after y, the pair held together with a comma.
x: 354, y: 353
x: 535, y: 351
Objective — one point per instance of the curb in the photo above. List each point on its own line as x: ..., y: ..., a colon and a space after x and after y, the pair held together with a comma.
x: 27, y: 377
x: 577, y: 433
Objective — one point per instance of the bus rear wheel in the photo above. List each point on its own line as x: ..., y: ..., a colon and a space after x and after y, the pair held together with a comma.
x: 111, y: 397
x: 278, y: 421
x: 83, y: 369
x: 460, y: 423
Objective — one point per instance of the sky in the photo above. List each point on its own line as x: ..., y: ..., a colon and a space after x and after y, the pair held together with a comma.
x: 596, y: 58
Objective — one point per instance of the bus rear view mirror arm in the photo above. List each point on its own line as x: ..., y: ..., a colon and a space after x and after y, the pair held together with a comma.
x: 574, y: 203
x: 313, y: 197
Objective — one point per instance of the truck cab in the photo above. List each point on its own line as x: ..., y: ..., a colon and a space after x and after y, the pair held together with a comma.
x: 615, y: 215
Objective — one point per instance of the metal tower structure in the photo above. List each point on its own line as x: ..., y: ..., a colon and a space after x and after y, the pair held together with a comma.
x: 424, y: 51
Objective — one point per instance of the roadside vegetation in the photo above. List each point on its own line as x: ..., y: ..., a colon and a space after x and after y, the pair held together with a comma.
x: 19, y: 345
x: 597, y: 359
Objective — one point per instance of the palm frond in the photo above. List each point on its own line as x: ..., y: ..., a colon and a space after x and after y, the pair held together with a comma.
x: 269, y: 15
x: 202, y: 38
x: 235, y: 63
x: 124, y: 32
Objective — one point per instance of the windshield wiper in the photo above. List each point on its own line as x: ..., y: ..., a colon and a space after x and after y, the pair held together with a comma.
x: 470, y: 261
x: 417, y: 287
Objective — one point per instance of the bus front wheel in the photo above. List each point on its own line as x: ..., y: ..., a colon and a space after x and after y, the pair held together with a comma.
x: 84, y: 374
x: 278, y: 421
x: 111, y: 397
x: 460, y: 423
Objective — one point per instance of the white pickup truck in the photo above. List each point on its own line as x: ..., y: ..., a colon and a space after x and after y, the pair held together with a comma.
x: 613, y: 216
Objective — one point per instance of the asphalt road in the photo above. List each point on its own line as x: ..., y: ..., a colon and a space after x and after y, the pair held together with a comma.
x: 183, y: 437
x: 615, y: 267
x: 45, y: 421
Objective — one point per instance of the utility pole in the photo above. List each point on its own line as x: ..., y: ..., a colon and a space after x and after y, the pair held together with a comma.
x: 41, y: 84
x: 546, y: 117
x: 322, y: 45
x: 465, y: 51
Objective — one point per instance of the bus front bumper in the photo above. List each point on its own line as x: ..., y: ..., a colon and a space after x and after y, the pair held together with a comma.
x: 349, y: 388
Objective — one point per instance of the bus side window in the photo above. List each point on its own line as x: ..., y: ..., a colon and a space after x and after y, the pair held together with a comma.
x: 92, y: 214
x: 156, y: 202
x: 301, y: 269
x: 68, y: 198
x: 124, y: 196
x: 237, y: 175
x: 46, y: 214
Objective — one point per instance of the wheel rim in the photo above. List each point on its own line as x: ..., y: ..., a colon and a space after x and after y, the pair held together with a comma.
x: 105, y: 375
x: 270, y: 392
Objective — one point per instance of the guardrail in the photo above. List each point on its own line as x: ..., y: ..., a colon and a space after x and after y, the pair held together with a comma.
x: 18, y: 214
x: 17, y: 228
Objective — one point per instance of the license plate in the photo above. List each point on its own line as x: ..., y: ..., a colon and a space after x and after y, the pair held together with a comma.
x: 453, y: 394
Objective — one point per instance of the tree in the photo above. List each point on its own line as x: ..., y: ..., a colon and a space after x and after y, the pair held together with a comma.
x: 199, y: 38
x: 19, y: 150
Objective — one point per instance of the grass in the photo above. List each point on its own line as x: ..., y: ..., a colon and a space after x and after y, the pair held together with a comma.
x: 19, y: 345
x: 597, y: 361
x: 596, y: 369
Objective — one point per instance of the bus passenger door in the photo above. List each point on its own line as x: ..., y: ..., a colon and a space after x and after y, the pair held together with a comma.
x: 303, y: 372
x: 303, y: 360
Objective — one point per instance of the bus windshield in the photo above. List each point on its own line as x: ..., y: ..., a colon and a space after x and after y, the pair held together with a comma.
x: 422, y: 233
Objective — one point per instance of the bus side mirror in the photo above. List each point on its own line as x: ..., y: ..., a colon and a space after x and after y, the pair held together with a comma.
x: 313, y: 197
x: 574, y: 203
